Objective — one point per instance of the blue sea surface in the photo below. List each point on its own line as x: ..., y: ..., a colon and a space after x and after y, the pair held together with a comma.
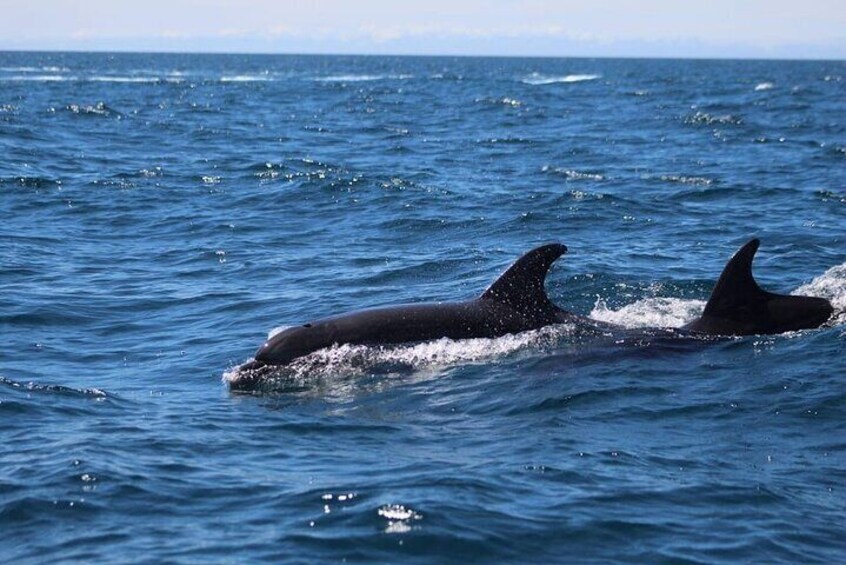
x: 162, y: 214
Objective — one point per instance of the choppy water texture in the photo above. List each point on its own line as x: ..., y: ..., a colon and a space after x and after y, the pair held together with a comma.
x: 162, y: 214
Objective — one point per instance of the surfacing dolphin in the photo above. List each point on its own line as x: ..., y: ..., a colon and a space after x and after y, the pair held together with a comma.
x: 738, y: 306
x: 517, y: 302
x: 514, y: 303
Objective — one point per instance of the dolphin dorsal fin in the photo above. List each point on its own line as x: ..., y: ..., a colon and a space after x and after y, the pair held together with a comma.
x: 736, y: 286
x: 522, y: 284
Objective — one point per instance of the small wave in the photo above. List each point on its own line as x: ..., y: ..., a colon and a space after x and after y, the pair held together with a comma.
x: 686, y: 180
x: 576, y: 175
x: 271, y: 172
x: 504, y: 140
x: 399, y: 518
x: 504, y: 101
x: 32, y: 182
x: 700, y: 118
x: 95, y: 393
x: 95, y: 78
x: 360, y: 78
x: 764, y: 86
x: 572, y: 174
x: 45, y: 69
x: 36, y: 78
x: 151, y: 172
x: 345, y: 360
x: 830, y: 285
x: 650, y: 312
x: 125, y: 79
x: 98, y: 109
x: 536, y: 79
x: 830, y: 196
x: 246, y: 78
x: 582, y: 195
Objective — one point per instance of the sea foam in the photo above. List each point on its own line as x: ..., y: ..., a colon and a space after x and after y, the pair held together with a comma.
x: 539, y: 79
x: 649, y: 312
x: 830, y: 285
x: 428, y: 356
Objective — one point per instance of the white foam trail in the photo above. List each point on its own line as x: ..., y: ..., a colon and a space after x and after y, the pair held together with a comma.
x: 97, y: 78
x: 361, y: 78
x: 36, y: 78
x: 686, y: 180
x: 539, y: 79
x: 830, y: 285
x: 573, y: 174
x: 650, y: 312
x: 47, y: 69
x: 245, y: 78
x: 429, y: 356
x: 676, y: 312
x: 433, y: 356
x: 764, y: 86
x: 123, y: 79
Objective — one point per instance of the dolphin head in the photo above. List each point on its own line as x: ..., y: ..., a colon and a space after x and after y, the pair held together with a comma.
x: 291, y: 343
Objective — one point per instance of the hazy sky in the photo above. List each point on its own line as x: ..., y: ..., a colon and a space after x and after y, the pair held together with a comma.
x: 704, y: 28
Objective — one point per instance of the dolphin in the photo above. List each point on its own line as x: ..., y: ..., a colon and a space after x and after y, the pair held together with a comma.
x: 515, y: 302
x: 738, y: 306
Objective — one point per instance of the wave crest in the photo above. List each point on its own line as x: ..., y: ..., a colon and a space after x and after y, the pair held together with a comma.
x: 537, y: 79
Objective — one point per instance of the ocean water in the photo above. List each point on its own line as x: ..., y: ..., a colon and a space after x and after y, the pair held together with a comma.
x: 162, y: 214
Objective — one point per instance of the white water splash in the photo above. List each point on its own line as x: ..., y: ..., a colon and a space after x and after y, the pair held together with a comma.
x: 433, y: 356
x: 134, y: 79
x: 246, y: 78
x: 676, y: 312
x: 399, y: 518
x: 571, y: 174
x: 764, y: 86
x: 46, y: 69
x: 360, y: 78
x: 537, y: 79
x: 36, y: 78
x: 830, y: 285
x: 650, y: 312
x: 429, y: 356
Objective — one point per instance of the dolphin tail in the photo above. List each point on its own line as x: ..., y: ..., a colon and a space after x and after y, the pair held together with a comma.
x: 521, y: 286
x: 741, y: 305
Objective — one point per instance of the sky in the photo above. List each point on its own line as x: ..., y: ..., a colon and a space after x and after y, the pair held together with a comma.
x: 593, y: 28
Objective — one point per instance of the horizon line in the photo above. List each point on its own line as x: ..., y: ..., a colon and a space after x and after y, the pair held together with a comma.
x: 119, y: 51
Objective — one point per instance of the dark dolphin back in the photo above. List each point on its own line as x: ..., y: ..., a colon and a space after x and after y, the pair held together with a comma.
x: 521, y: 286
x: 738, y: 306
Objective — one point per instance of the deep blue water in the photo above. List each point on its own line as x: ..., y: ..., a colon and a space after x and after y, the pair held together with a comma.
x: 161, y: 214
